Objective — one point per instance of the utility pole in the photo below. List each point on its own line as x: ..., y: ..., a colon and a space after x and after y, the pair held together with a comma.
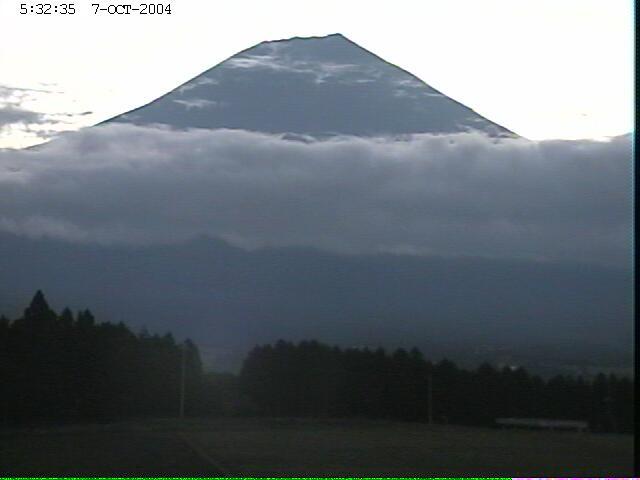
x: 608, y: 404
x: 430, y: 399
x: 182, y: 378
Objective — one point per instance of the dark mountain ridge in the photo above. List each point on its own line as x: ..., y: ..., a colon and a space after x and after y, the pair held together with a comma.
x: 229, y: 299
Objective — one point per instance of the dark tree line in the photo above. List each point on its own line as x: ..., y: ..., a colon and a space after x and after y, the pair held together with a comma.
x: 315, y: 380
x: 66, y: 367
x: 69, y: 367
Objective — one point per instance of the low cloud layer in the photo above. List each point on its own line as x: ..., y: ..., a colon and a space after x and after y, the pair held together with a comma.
x: 462, y: 194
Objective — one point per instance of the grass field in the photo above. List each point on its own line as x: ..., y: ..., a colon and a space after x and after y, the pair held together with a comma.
x: 289, y: 447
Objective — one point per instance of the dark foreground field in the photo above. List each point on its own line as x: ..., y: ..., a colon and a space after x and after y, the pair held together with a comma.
x: 251, y: 447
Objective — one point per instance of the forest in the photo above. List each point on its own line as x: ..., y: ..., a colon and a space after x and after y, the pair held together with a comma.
x: 69, y: 367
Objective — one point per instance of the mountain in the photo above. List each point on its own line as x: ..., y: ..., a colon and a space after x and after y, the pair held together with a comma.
x: 229, y: 299
x: 311, y: 86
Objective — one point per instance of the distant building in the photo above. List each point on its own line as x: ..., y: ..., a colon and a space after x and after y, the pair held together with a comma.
x: 543, y: 423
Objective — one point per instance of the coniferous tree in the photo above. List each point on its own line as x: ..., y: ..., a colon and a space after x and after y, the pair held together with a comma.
x: 60, y: 368
x: 57, y: 367
x: 288, y: 380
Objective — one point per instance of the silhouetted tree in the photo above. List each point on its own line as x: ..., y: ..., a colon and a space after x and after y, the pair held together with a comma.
x: 311, y: 379
x: 66, y: 367
x: 57, y: 367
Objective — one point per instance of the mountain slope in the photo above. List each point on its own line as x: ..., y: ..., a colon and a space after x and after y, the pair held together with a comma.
x: 317, y: 86
x: 228, y: 298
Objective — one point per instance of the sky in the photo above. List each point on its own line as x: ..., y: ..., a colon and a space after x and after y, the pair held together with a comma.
x: 544, y: 69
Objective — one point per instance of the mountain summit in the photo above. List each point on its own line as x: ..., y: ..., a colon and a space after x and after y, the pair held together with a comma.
x: 319, y: 86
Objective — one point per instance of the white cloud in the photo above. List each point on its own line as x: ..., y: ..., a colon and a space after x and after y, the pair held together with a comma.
x: 408, y: 83
x: 197, y: 103
x: 19, y: 116
x: 12, y: 110
x: 10, y: 115
x: 462, y: 194
x: 196, y: 83
x: 279, y: 61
